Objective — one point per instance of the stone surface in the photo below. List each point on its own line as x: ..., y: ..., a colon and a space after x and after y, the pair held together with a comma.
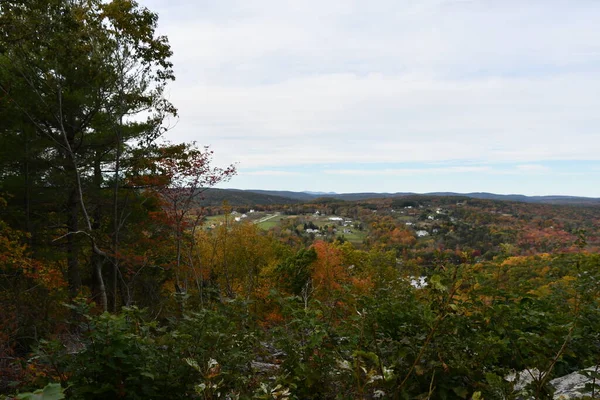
x: 263, y: 367
x: 572, y: 386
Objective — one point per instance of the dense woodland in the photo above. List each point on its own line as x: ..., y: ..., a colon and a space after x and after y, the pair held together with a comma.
x: 115, y: 284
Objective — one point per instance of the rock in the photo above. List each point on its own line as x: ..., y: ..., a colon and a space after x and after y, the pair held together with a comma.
x: 262, y: 367
x: 523, y: 378
x: 268, y: 361
x: 572, y: 386
x: 272, y: 350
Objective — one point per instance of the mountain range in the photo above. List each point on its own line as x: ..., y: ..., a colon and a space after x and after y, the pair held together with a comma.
x: 238, y: 197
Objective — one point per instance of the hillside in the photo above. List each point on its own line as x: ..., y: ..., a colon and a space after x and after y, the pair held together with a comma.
x: 216, y: 197
x: 301, y: 196
x: 260, y: 197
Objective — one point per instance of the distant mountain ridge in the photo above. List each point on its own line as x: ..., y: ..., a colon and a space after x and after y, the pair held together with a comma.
x: 262, y: 197
x: 237, y: 197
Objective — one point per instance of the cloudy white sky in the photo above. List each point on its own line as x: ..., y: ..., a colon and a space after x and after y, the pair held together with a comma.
x: 391, y: 95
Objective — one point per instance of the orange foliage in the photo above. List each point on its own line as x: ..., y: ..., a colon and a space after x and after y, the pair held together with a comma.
x: 272, y: 318
x: 362, y: 286
x: 327, y: 272
x: 26, y: 283
x: 402, y: 237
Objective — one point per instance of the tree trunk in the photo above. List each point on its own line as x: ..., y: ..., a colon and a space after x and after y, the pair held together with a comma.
x: 73, y: 275
x: 116, y: 222
x: 98, y: 263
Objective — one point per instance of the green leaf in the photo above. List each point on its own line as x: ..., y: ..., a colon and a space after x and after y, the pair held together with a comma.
x: 148, y: 375
x: 436, y: 283
x: 52, y: 391
x: 461, y: 392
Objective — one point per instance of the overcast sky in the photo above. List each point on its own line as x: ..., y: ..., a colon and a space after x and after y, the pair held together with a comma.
x: 391, y: 95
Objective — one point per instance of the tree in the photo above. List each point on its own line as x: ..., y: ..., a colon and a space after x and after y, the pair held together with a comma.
x: 294, y: 272
x: 328, y: 274
x: 178, y: 175
x: 30, y: 296
x: 85, y: 80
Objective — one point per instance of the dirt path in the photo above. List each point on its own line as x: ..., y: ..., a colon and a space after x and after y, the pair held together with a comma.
x: 266, y: 218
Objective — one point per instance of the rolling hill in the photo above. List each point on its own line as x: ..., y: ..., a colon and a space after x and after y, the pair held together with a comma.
x: 237, y: 197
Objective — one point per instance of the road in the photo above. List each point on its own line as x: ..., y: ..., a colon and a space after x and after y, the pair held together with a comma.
x: 266, y: 218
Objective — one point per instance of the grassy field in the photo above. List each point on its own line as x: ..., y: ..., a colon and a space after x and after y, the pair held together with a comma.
x: 267, y: 221
x: 356, y: 237
x: 214, y: 218
x: 266, y: 225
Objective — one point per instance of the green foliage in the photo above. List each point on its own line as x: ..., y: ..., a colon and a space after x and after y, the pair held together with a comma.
x: 221, y: 345
x: 308, y: 342
x: 459, y: 337
x: 119, y: 358
x: 126, y: 356
x: 83, y: 81
x: 52, y: 391
x: 294, y: 272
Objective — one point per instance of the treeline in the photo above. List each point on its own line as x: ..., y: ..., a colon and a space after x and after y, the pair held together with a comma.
x: 85, y: 182
x: 82, y: 173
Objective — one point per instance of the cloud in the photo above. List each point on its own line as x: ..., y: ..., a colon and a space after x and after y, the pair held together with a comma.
x: 347, y: 118
x: 521, y: 169
x: 406, y: 171
x: 535, y: 168
x: 271, y: 173
x: 274, y: 84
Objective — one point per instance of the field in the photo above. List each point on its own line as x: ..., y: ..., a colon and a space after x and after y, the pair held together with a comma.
x: 271, y: 220
x: 266, y: 225
x: 355, y: 237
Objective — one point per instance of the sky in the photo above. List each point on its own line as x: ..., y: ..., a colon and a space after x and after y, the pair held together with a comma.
x: 418, y: 96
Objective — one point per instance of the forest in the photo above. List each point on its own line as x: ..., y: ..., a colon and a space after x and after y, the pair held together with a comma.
x: 118, y: 282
